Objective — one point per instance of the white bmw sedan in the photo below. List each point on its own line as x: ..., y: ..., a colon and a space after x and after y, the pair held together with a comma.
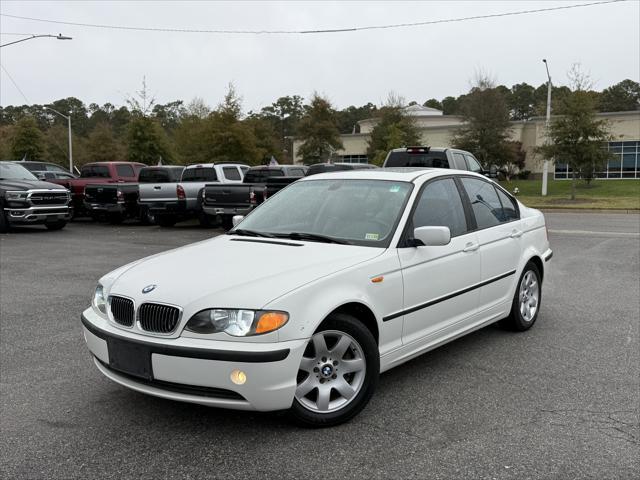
x: 335, y: 279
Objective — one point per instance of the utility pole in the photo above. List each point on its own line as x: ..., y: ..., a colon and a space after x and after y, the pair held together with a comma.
x: 57, y: 37
x: 68, y: 118
x: 545, y: 166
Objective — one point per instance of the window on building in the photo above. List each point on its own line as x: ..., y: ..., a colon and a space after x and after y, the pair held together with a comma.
x: 354, y: 159
x: 625, y: 162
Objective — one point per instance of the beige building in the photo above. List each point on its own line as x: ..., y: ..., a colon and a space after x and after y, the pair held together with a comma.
x: 437, y: 130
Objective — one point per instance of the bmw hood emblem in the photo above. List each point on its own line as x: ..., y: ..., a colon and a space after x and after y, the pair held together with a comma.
x: 149, y: 288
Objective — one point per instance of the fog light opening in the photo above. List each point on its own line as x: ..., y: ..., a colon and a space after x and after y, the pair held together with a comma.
x: 238, y: 377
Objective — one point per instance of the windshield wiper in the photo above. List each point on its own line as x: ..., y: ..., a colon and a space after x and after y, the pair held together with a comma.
x: 314, y: 237
x: 249, y: 233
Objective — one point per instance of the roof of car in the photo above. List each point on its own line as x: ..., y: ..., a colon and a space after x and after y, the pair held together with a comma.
x: 405, y: 174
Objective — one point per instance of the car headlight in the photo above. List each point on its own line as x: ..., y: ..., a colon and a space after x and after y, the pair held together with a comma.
x: 99, y: 302
x: 16, y: 195
x: 236, y: 322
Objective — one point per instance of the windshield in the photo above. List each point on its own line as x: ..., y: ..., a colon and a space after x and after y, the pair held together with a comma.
x: 92, y: 171
x: 11, y: 171
x: 360, y: 212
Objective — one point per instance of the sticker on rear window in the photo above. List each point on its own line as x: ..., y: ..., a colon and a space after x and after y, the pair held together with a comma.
x: 394, y: 188
x: 371, y: 236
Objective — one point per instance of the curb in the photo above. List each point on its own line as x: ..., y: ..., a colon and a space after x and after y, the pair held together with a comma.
x: 588, y: 210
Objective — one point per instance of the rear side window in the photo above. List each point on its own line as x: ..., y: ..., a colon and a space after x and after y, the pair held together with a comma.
x: 509, y: 210
x: 484, y: 201
x: 199, y: 174
x: 55, y: 168
x: 430, y: 160
x: 231, y: 173
x: 440, y: 205
x: 124, y: 171
x: 296, y: 172
x: 154, y: 175
x: 95, y: 171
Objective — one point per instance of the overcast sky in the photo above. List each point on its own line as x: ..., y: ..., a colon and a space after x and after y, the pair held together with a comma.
x: 104, y: 65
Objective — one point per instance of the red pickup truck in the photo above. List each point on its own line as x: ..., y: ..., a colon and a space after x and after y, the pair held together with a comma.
x: 99, y: 172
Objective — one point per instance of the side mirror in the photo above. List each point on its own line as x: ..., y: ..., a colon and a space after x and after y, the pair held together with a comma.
x: 237, y: 219
x: 432, y: 236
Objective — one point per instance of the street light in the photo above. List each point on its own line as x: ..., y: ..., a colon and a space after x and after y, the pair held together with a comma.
x: 58, y: 37
x: 70, y: 144
x: 545, y: 166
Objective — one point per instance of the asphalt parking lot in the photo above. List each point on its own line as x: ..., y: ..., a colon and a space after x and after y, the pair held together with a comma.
x: 559, y: 401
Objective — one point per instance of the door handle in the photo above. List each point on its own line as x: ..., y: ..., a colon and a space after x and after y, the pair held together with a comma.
x: 157, y: 188
x: 471, y: 247
x: 516, y: 233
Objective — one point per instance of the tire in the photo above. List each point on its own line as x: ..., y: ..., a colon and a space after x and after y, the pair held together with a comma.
x: 319, y: 401
x: 227, y: 222
x: 4, y: 223
x: 59, y: 225
x: 526, y: 300
x: 166, y: 220
x: 146, y: 218
x: 205, y: 220
x: 115, y: 218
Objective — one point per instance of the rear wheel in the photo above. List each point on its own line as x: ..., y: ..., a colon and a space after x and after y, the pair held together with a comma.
x: 205, y: 220
x: 58, y: 225
x: 166, y: 220
x: 146, y: 217
x: 227, y: 222
x: 4, y: 223
x: 338, y: 373
x: 526, y: 301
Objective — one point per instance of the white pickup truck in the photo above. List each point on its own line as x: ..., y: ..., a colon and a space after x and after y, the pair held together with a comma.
x: 169, y: 203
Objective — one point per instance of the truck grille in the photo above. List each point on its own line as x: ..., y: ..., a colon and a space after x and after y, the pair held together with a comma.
x: 154, y: 317
x: 49, y: 198
x: 122, y: 310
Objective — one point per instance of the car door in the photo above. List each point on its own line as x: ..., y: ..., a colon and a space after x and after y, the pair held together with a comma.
x: 499, y: 233
x: 437, y: 279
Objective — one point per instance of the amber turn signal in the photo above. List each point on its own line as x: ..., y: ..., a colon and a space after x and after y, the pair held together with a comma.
x: 270, y: 321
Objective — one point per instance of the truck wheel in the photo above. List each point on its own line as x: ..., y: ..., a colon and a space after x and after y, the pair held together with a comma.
x: 338, y: 373
x: 4, y: 223
x: 115, y: 218
x: 146, y: 218
x: 227, y: 222
x: 58, y: 225
x: 204, y: 220
x: 166, y: 220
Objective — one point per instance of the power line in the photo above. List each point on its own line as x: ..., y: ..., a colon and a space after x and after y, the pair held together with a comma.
x: 328, y: 30
x: 15, y: 84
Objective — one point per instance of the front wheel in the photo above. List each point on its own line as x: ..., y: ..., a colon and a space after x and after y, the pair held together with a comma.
x: 338, y: 373
x: 59, y: 225
x: 526, y: 301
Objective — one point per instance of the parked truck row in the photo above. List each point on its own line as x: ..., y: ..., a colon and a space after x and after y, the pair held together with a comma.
x: 210, y: 192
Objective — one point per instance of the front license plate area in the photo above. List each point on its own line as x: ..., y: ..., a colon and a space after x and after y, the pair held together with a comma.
x: 130, y: 358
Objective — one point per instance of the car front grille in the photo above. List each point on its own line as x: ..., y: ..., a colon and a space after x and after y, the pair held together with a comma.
x: 158, y: 318
x: 49, y: 198
x: 122, y: 310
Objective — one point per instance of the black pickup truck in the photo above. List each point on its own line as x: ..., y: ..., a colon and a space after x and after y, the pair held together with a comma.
x: 25, y: 200
x: 259, y: 184
x: 113, y: 202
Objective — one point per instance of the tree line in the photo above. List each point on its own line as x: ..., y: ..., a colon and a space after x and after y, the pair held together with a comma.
x: 180, y: 133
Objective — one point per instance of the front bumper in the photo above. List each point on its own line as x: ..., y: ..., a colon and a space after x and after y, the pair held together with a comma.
x: 33, y: 215
x: 197, y: 371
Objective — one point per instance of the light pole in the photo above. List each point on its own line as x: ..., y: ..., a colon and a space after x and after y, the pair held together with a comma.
x: 545, y: 166
x: 58, y: 37
x: 70, y: 144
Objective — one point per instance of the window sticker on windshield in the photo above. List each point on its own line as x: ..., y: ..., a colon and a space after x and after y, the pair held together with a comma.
x: 371, y: 236
x: 394, y: 188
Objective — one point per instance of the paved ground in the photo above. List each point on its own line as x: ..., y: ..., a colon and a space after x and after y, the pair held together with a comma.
x: 560, y: 401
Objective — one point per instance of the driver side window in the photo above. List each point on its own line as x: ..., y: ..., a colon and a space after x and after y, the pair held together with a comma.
x: 440, y: 205
x: 484, y: 201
